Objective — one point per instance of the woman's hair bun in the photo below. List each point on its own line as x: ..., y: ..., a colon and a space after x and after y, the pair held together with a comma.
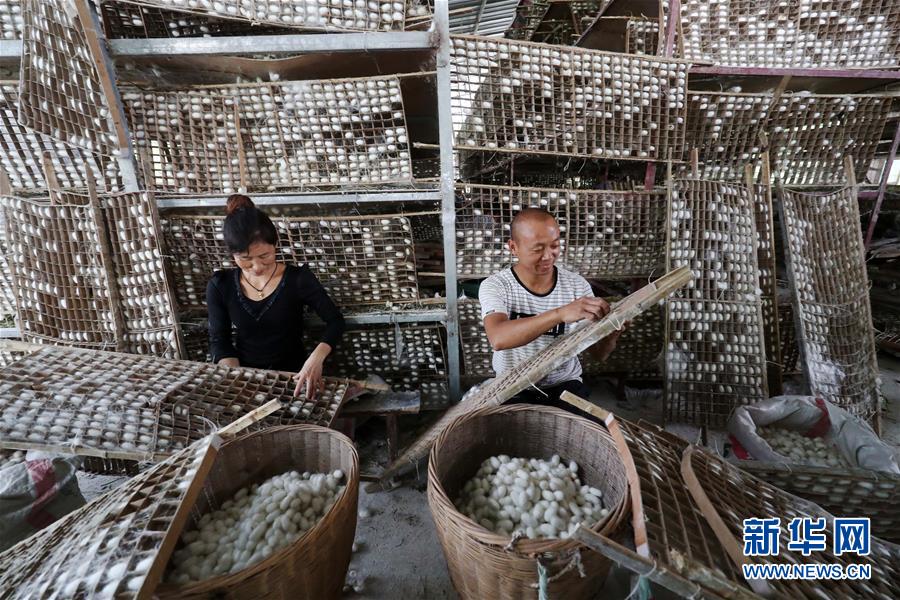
x: 236, y: 202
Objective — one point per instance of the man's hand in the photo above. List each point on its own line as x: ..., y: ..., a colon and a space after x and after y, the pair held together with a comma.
x: 602, y: 349
x: 231, y: 361
x: 592, y: 309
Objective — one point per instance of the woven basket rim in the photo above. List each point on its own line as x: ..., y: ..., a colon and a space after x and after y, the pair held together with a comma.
x: 525, y: 546
x: 220, y: 581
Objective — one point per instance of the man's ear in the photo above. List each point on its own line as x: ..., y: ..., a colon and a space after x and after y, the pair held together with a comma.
x: 512, y: 247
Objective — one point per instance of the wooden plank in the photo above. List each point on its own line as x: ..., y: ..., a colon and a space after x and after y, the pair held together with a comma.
x: 254, y: 416
x: 108, y: 261
x: 104, y: 71
x: 5, y: 185
x: 176, y: 526
x: 728, y: 541
x: 384, y: 404
x: 20, y: 346
x: 638, y: 520
x: 658, y: 572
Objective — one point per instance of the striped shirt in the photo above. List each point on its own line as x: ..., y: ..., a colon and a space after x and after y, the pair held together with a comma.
x: 504, y: 293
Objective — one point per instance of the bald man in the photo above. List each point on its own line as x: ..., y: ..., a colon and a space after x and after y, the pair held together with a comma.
x: 527, y: 306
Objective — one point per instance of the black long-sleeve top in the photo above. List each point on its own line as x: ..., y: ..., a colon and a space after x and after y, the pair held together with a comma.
x: 268, y: 331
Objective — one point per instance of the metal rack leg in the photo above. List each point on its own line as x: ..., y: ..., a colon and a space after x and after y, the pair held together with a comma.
x: 448, y: 201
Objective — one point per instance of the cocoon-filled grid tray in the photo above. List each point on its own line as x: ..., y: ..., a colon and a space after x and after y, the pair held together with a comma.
x: 521, y: 97
x: 273, y: 136
x: 116, y: 546
x: 603, y: 234
x: 715, y: 347
x: 832, y: 311
x: 362, y: 260
x: 127, y: 20
x: 808, y: 34
x: 64, y: 85
x: 137, y: 407
x: 88, y: 271
x: 22, y: 149
x: 641, y: 36
x: 809, y: 135
x: 407, y: 356
x: 326, y: 15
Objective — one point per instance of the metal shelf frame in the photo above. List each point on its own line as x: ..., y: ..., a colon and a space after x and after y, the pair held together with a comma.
x: 389, y: 317
x: 295, y: 198
x: 436, y: 39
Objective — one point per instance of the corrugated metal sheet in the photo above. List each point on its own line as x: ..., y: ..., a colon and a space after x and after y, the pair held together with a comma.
x: 484, y: 17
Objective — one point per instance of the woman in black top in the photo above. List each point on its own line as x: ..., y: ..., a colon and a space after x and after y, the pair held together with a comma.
x: 264, y: 300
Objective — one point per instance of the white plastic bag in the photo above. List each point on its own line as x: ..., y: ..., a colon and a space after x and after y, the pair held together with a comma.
x: 34, y: 494
x: 813, y: 417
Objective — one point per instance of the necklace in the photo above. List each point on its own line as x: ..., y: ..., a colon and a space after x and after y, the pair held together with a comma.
x: 259, y: 291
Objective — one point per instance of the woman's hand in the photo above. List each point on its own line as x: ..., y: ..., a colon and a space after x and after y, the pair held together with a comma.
x: 231, y: 361
x: 311, y: 373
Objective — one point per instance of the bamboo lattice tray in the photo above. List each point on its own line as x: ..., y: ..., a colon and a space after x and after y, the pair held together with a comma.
x: 521, y: 97
x: 62, y: 86
x: 476, y: 349
x: 136, y: 407
x: 118, y: 545
x: 636, y: 351
x: 408, y: 357
x: 715, y: 347
x: 604, y: 234
x: 728, y: 495
x: 790, y: 352
x: 671, y: 517
x: 361, y: 260
x: 808, y: 134
x: 324, y: 15
x: 21, y: 152
x: 641, y: 36
x: 830, y: 290
x: 769, y: 33
x: 11, y: 21
x: 88, y: 271
x: 768, y: 280
x: 315, y: 134
x: 7, y: 295
x: 126, y: 20
x: 844, y: 492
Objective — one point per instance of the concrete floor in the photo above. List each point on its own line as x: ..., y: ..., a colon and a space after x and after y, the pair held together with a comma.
x: 399, y: 555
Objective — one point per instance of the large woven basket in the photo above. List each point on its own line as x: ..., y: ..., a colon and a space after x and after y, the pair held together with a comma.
x: 480, y: 565
x: 844, y: 492
x: 315, y: 565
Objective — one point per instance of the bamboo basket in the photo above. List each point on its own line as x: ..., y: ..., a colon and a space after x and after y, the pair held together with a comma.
x: 480, y: 564
x: 315, y: 565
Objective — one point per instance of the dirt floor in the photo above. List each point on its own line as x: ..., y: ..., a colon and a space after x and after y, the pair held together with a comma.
x: 398, y: 553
